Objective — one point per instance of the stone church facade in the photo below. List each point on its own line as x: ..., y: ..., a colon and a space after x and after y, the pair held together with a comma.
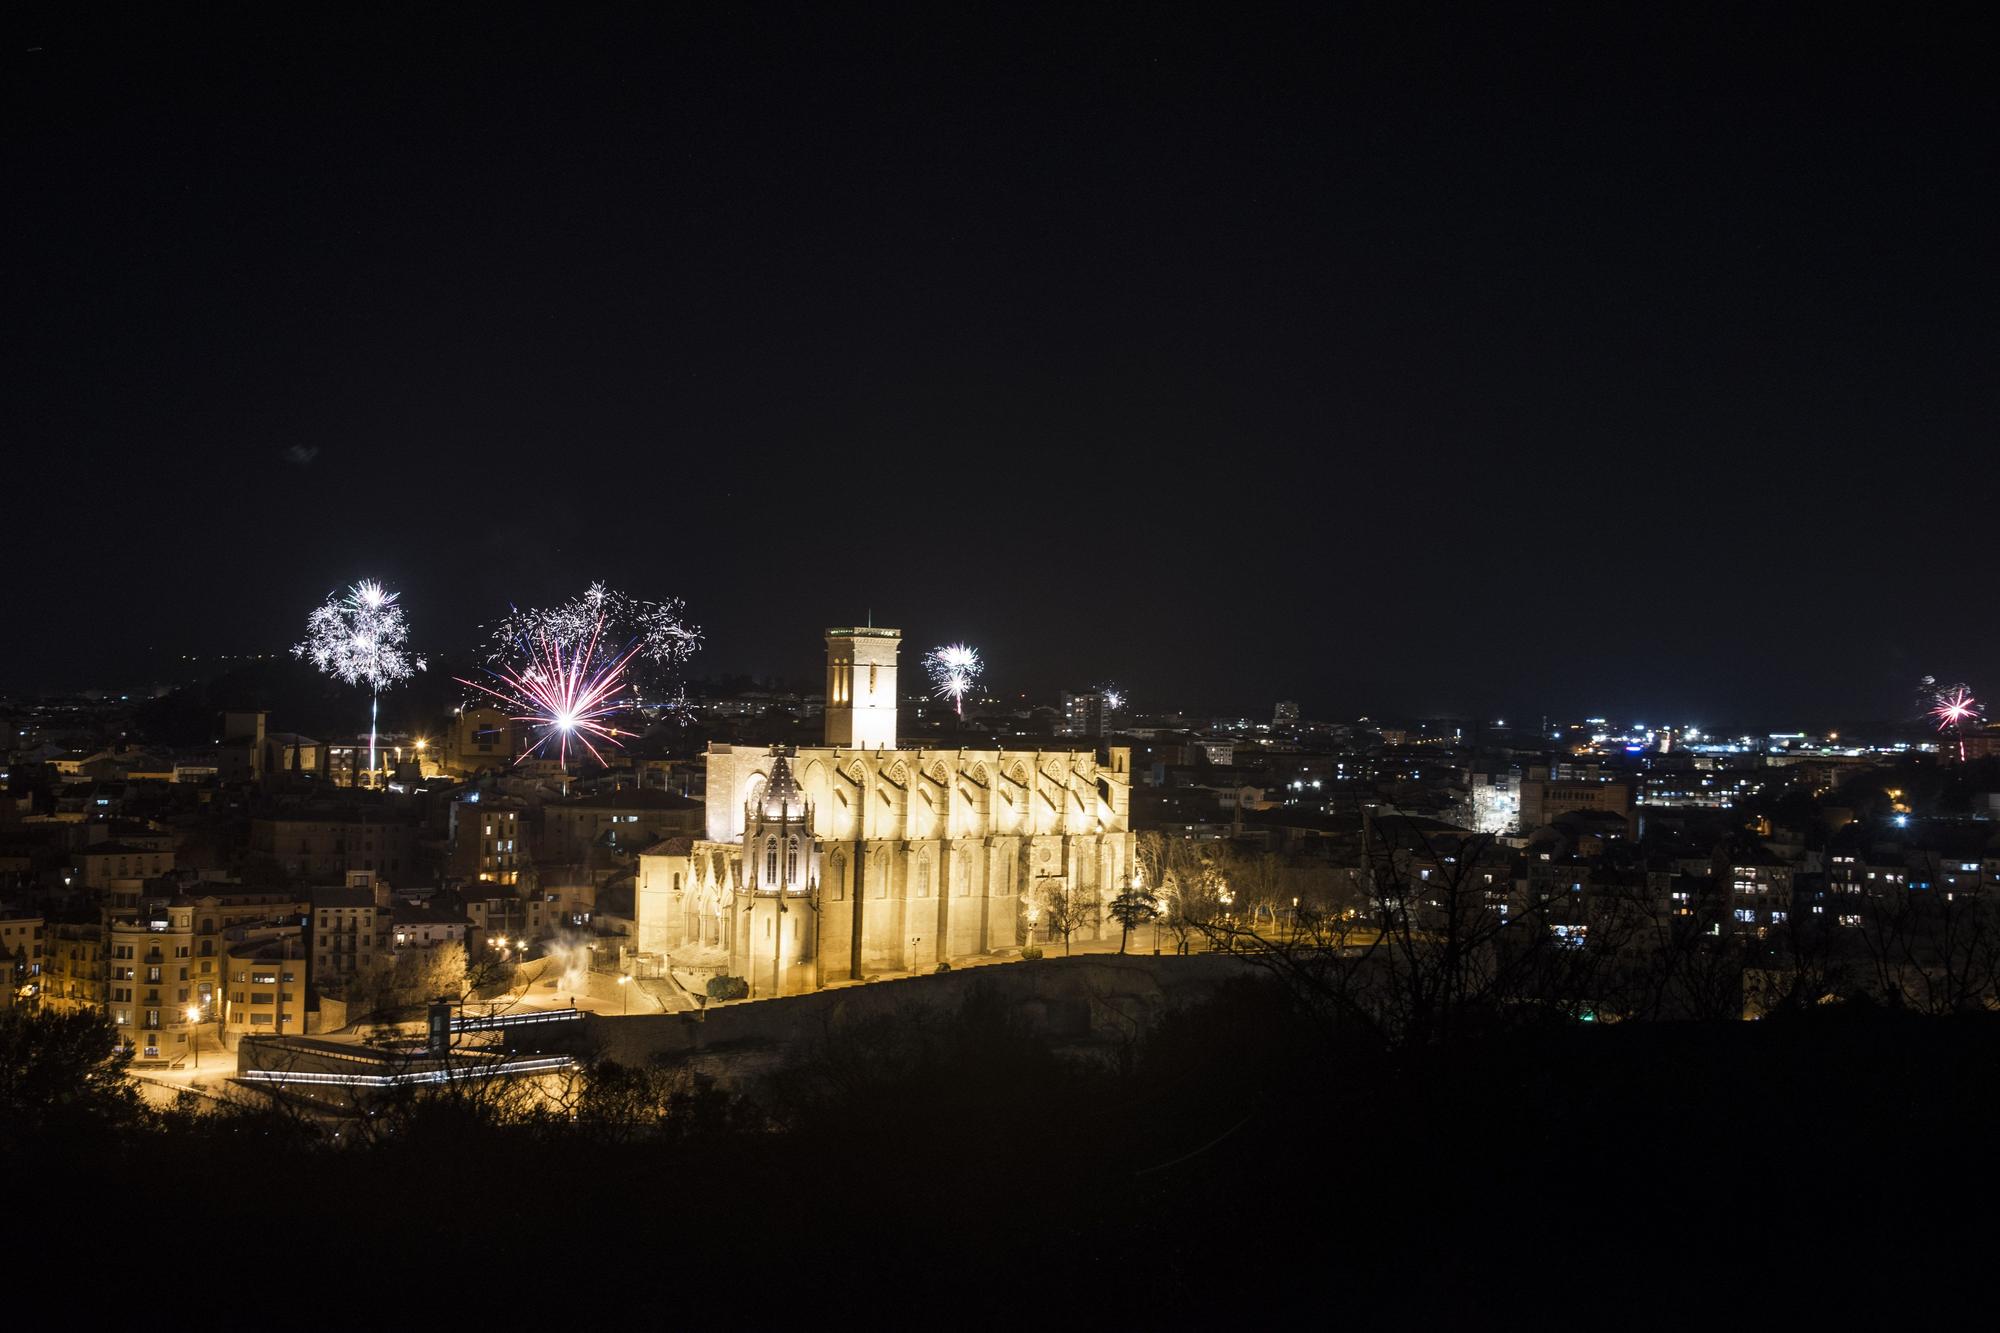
x: 857, y: 857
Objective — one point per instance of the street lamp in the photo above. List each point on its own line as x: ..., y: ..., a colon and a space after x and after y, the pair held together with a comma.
x: 623, y: 989
x: 194, y: 1021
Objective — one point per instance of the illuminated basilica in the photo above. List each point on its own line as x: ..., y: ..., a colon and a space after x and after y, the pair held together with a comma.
x: 858, y: 857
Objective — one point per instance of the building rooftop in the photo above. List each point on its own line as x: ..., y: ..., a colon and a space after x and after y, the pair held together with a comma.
x: 418, y: 914
x: 629, y: 798
x: 118, y: 849
x: 339, y: 895
x: 333, y: 815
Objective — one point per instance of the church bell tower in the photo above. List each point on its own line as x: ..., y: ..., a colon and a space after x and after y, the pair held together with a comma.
x: 861, y: 687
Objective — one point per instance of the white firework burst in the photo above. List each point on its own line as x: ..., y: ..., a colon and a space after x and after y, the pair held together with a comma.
x: 359, y: 639
x: 657, y: 631
x: 954, y: 669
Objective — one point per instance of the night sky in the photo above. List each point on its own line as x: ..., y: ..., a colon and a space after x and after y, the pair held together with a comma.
x: 1393, y: 360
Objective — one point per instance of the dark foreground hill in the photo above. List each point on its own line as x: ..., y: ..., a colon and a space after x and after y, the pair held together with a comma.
x: 957, y: 1171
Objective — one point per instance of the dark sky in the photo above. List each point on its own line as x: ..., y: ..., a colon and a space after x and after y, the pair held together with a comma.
x: 1392, y: 359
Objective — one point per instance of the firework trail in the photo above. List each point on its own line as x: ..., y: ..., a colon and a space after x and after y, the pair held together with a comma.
x: 358, y: 639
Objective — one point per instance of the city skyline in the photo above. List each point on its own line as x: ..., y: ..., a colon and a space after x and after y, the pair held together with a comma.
x: 1891, y: 703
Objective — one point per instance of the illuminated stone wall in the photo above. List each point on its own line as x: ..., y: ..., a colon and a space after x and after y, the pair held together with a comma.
x: 919, y: 856
x: 943, y: 848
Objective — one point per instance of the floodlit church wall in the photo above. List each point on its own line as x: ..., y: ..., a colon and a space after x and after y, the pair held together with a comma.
x: 660, y: 901
x: 952, y: 844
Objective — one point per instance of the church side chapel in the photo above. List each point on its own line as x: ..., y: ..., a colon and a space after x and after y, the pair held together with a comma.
x: 856, y: 858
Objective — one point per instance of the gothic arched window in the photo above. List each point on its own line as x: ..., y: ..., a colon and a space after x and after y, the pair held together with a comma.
x: 792, y: 860
x: 770, y: 860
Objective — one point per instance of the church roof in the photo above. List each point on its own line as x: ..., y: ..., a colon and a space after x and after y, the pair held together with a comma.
x: 782, y: 798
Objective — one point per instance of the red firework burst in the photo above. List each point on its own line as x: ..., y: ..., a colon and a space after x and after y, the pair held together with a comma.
x: 565, y: 694
x: 1953, y: 709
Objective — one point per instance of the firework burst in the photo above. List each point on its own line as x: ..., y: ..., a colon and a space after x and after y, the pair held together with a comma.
x: 568, y: 691
x: 1114, y: 697
x: 954, y: 669
x: 660, y: 636
x: 1953, y: 708
x: 358, y: 638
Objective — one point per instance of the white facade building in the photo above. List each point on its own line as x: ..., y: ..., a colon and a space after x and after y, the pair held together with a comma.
x: 830, y: 862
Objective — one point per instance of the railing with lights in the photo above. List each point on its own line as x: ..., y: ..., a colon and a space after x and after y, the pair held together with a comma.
x: 492, y: 1021
x: 412, y: 1078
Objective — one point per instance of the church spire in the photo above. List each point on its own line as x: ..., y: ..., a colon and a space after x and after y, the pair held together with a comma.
x: 782, y: 798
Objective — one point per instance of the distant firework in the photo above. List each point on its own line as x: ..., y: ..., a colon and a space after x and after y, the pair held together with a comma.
x: 1953, y: 708
x: 358, y: 639
x: 565, y: 690
x: 660, y: 636
x: 1114, y: 698
x: 953, y: 670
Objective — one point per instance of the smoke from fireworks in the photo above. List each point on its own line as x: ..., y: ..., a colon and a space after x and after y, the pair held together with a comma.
x: 660, y: 637
x: 1953, y: 708
x: 358, y: 639
x: 567, y: 690
x: 954, y: 669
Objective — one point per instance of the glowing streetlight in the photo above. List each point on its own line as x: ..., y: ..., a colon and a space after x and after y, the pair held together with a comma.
x: 194, y: 1020
x: 624, y: 984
